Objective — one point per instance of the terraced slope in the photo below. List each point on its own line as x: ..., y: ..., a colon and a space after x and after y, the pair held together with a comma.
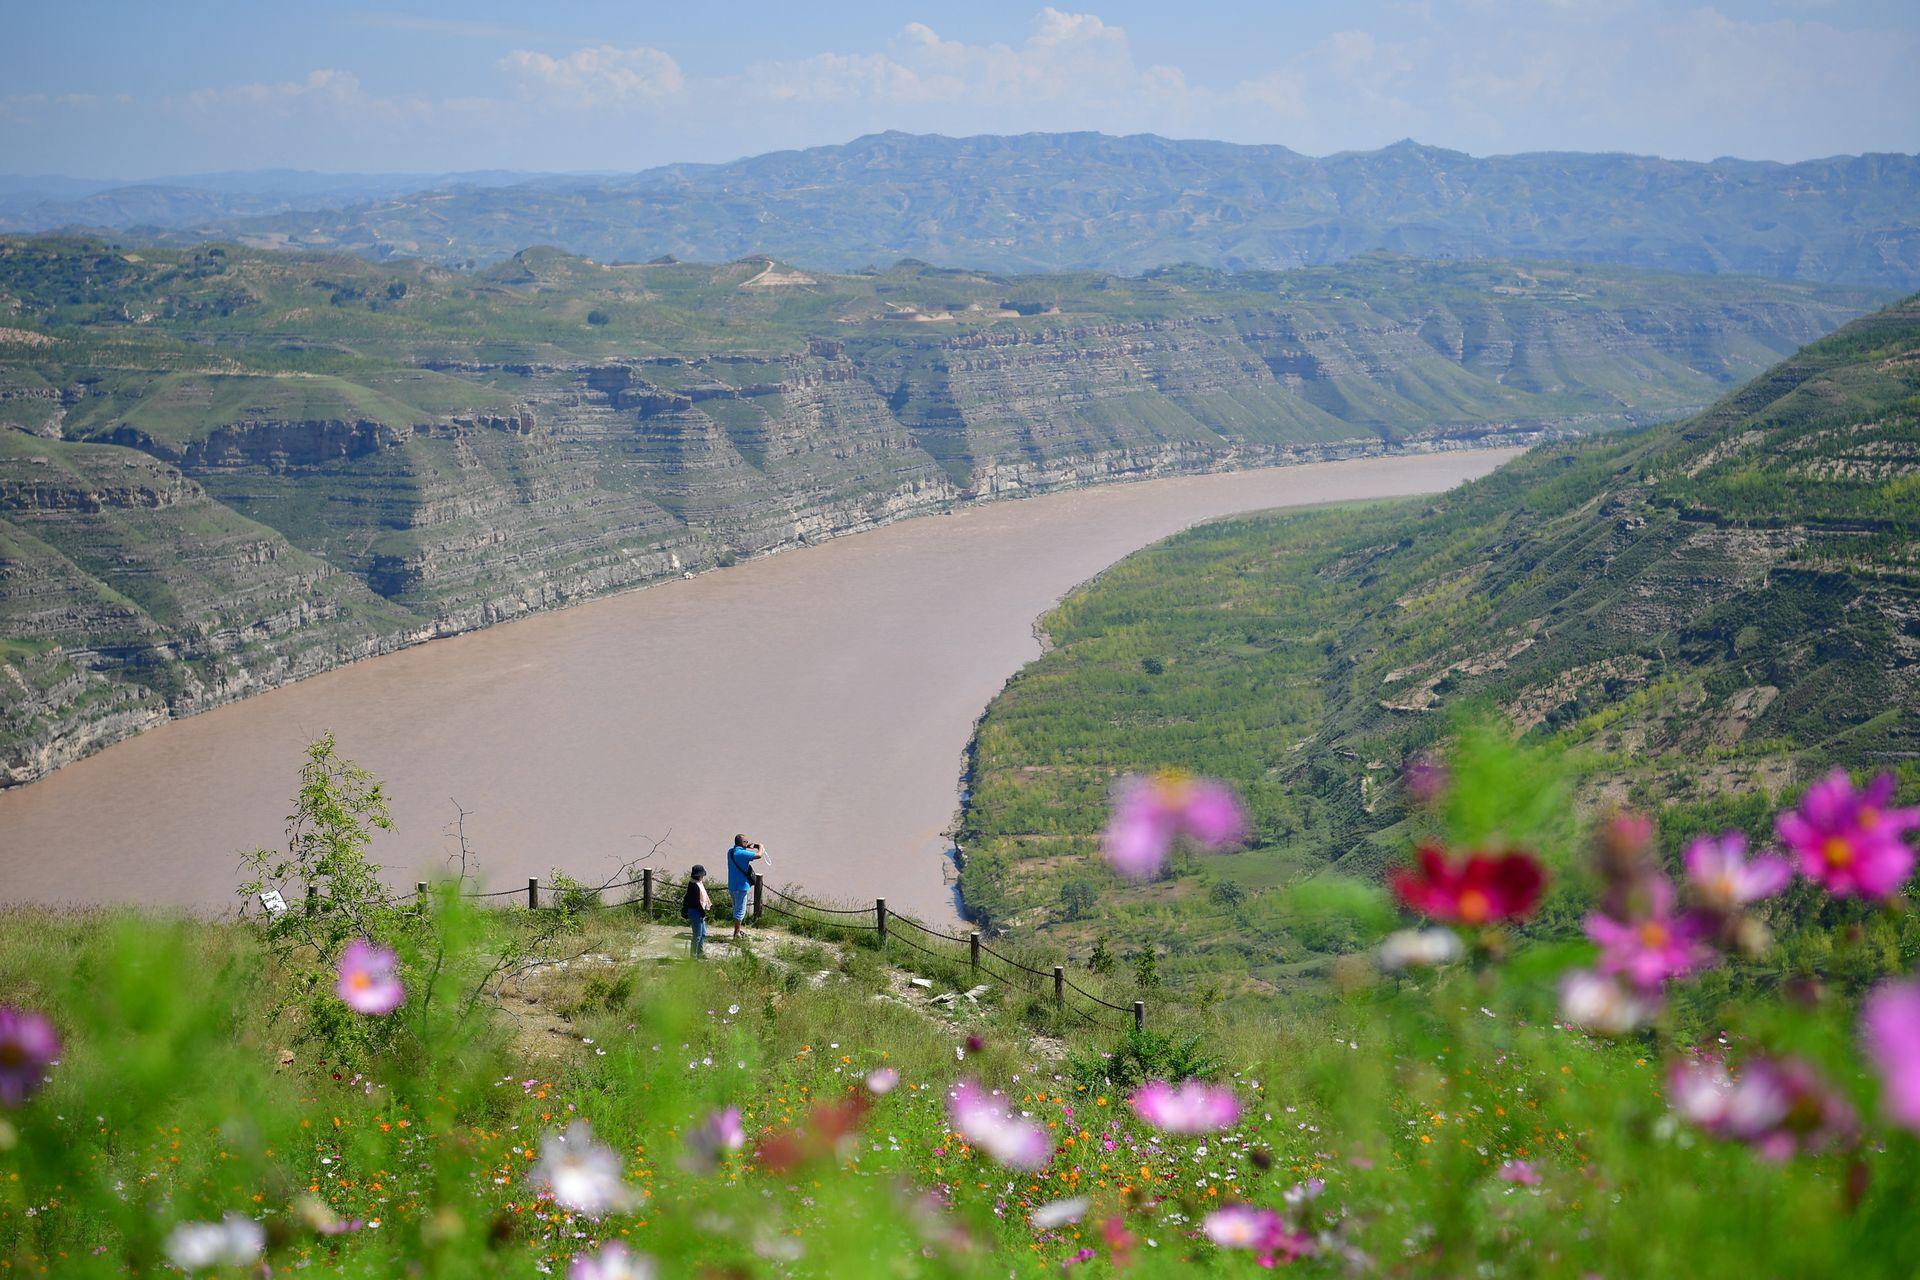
x: 454, y: 448
x: 1702, y: 613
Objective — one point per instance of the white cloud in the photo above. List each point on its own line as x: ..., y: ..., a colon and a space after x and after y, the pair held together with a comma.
x: 596, y: 77
x: 1068, y: 59
x: 325, y: 85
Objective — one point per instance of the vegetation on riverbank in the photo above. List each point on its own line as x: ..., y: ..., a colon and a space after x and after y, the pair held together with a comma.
x: 1698, y: 618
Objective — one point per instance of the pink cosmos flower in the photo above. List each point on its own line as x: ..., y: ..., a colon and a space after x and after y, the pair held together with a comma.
x: 1520, y: 1172
x: 1700, y: 1091
x: 369, y: 979
x: 1602, y: 1003
x: 882, y: 1080
x: 1778, y: 1107
x: 1193, y: 1107
x: 28, y: 1046
x: 985, y: 1121
x: 1241, y: 1226
x: 1890, y: 1025
x: 1724, y: 879
x: 1150, y: 814
x: 612, y: 1261
x: 1849, y: 840
x: 718, y: 1134
x: 1652, y: 947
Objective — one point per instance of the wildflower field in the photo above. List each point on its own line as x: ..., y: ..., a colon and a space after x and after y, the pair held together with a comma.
x: 1495, y: 1083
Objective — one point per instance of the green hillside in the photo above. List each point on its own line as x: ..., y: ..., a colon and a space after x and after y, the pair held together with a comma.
x: 1700, y: 616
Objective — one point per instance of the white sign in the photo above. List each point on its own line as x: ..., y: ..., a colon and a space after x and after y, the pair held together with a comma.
x: 275, y: 904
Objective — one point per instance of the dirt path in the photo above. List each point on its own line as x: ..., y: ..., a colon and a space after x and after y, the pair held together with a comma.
x: 540, y: 998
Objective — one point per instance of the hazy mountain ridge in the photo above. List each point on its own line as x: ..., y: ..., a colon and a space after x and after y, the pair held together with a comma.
x: 1092, y: 201
x: 222, y: 469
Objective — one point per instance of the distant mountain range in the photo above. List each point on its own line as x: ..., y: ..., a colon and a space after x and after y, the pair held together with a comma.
x: 31, y: 202
x: 1078, y: 201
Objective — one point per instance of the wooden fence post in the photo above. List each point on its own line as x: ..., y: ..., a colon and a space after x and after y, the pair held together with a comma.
x: 420, y: 895
x: 533, y: 892
x: 1059, y: 986
x: 759, y: 885
x: 1139, y: 1015
x: 313, y: 899
x: 880, y: 916
x: 646, y: 890
x: 973, y: 948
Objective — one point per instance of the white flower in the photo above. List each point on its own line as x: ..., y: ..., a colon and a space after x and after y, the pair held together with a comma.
x: 613, y: 1261
x: 1419, y: 949
x: 1600, y: 1003
x: 233, y: 1241
x: 582, y: 1175
x: 1059, y: 1213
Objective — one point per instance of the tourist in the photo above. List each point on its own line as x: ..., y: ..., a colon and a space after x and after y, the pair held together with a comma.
x: 740, y: 877
x: 695, y: 906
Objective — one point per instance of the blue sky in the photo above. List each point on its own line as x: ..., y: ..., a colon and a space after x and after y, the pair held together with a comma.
x: 136, y: 89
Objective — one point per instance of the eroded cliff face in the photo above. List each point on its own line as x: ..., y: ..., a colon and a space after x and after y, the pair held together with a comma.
x: 153, y: 570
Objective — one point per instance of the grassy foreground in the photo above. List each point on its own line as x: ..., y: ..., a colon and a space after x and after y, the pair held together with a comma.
x: 1426, y: 1122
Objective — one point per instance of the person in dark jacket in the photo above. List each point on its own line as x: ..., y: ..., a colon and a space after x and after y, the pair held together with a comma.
x: 694, y: 906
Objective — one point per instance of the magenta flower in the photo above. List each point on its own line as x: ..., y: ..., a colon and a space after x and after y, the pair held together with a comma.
x: 611, y: 1261
x: 1654, y: 946
x: 1890, y: 1025
x: 1194, y: 1107
x: 984, y: 1120
x: 882, y: 1080
x: 28, y: 1046
x: 1724, y: 879
x: 1849, y: 840
x: 369, y: 979
x: 1150, y: 814
x: 717, y: 1135
x: 1519, y: 1172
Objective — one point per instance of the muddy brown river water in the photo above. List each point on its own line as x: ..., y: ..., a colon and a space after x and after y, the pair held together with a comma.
x: 819, y: 700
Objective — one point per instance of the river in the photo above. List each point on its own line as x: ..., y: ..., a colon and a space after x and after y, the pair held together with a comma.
x: 819, y: 700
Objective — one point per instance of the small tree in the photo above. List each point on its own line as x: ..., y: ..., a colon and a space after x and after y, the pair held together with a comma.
x: 1101, y: 961
x: 1146, y: 970
x: 1076, y: 899
x: 1228, y: 893
x: 335, y: 812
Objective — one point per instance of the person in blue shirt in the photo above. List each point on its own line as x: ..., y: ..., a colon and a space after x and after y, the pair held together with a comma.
x: 740, y: 860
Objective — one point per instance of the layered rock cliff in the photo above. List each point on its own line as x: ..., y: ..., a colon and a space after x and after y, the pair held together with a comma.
x: 222, y: 471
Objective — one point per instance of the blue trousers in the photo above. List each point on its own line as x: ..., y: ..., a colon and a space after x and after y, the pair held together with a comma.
x: 699, y: 922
